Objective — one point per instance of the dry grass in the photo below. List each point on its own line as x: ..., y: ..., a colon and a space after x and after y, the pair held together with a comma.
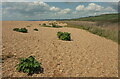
x: 108, y: 30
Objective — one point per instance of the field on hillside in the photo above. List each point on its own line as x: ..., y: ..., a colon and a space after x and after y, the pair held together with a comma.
x: 112, y: 18
x: 103, y: 25
x: 86, y: 55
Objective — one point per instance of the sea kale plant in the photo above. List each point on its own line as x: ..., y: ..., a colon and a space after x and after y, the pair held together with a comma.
x: 35, y: 29
x: 23, y: 30
x: 16, y: 29
x: 64, y: 36
x: 29, y: 65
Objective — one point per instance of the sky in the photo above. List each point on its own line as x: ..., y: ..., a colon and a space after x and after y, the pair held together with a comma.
x: 38, y: 10
x: 61, y: 0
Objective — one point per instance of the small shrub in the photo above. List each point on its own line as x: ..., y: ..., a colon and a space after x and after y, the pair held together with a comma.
x: 16, y: 29
x: 36, y: 29
x: 23, y: 30
x: 44, y: 24
x: 50, y: 23
x: 28, y: 65
x: 53, y: 25
x: 59, y: 34
x: 56, y: 26
x: 64, y: 36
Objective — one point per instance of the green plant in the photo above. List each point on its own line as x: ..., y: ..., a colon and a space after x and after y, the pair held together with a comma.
x: 28, y: 65
x: 53, y: 25
x: 56, y: 26
x: 59, y: 34
x: 64, y: 36
x: 35, y: 29
x: 16, y: 29
x: 24, y: 30
x: 44, y: 24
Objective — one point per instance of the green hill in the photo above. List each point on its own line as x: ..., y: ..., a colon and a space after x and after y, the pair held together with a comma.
x: 105, y: 25
x: 101, y: 18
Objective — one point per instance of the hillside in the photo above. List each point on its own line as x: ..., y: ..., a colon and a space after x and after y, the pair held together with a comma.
x: 105, y: 25
x: 113, y: 18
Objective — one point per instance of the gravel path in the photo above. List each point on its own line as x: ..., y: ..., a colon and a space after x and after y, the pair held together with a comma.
x: 87, y: 55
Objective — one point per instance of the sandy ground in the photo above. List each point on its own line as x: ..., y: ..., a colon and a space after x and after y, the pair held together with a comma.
x: 87, y: 55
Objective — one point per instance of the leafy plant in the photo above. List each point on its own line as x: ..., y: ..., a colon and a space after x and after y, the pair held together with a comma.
x: 16, y: 29
x: 24, y: 30
x: 44, y: 24
x: 36, y: 29
x: 59, y: 34
x: 64, y: 36
x: 53, y: 25
x: 56, y: 26
x: 28, y: 65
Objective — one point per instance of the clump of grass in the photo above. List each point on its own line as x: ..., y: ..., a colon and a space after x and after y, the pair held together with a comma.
x: 35, y: 29
x: 64, y: 36
x: 29, y: 65
x: 23, y: 30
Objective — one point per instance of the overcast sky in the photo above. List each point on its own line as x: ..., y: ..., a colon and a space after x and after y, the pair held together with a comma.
x: 55, y: 10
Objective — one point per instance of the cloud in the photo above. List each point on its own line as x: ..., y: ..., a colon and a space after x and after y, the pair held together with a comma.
x: 41, y: 3
x: 32, y: 10
x: 54, y: 9
x: 41, y: 10
x: 94, y: 7
x: 15, y: 0
x: 80, y: 7
x: 109, y: 9
x: 65, y: 11
x: 61, y: 0
x: 25, y: 8
x: 28, y: 10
